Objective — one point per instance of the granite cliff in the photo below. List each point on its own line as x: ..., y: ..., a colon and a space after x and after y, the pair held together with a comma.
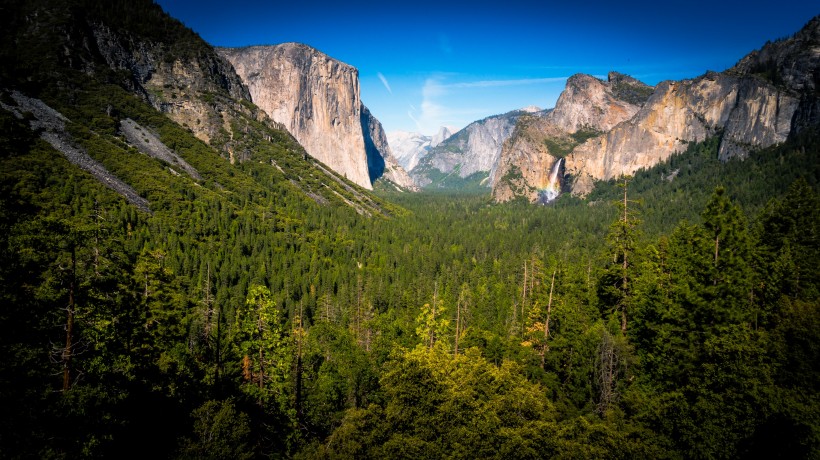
x: 586, y: 108
x: 409, y: 147
x: 471, y: 151
x: 82, y: 65
x: 605, y: 129
x: 749, y: 112
x: 317, y: 100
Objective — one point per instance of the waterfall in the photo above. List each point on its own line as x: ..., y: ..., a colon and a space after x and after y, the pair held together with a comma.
x: 553, y: 186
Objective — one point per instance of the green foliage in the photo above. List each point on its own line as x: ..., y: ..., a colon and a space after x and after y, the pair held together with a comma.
x: 220, y: 432
x: 561, y: 147
x: 260, y: 275
x: 262, y: 346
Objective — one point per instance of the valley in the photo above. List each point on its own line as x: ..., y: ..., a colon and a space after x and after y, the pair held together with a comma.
x: 218, y: 253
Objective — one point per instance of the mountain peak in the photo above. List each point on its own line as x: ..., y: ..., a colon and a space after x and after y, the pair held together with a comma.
x: 590, y: 103
x: 443, y: 133
x: 791, y: 62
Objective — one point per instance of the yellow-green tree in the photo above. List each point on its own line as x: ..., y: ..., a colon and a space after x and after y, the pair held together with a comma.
x: 263, y: 346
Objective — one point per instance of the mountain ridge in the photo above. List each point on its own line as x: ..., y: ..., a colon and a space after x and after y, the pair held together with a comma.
x: 761, y: 101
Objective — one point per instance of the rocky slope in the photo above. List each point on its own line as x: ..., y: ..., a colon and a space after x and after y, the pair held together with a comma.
x: 474, y: 149
x: 317, y: 99
x: 176, y: 84
x: 380, y: 160
x: 750, y: 113
x: 586, y: 107
x: 768, y: 96
x: 87, y: 60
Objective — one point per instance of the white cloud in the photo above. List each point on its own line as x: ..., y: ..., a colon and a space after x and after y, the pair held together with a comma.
x: 384, y: 82
x: 449, y: 100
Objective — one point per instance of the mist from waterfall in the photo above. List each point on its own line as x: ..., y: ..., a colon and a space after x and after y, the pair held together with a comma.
x: 553, y: 187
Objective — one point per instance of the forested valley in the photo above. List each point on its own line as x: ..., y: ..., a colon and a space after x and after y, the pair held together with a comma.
x: 455, y: 328
x: 260, y: 311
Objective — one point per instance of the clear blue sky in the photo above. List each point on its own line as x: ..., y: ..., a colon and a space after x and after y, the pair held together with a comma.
x: 426, y: 64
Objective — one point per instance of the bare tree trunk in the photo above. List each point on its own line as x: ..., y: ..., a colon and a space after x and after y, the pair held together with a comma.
x: 607, y: 373
x: 69, y: 329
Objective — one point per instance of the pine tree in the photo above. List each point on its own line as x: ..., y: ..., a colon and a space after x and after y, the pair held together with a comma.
x: 262, y: 346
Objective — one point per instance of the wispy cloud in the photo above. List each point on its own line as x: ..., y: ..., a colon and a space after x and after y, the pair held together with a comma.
x: 384, y: 82
x: 453, y: 100
x: 415, y: 120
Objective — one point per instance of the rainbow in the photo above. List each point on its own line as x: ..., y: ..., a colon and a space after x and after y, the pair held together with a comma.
x: 552, y: 188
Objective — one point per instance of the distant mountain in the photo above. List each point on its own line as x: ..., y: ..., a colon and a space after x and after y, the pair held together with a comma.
x: 441, y: 135
x: 616, y: 127
x: 587, y: 107
x: 381, y: 163
x: 409, y: 147
x: 472, y: 152
x: 317, y: 99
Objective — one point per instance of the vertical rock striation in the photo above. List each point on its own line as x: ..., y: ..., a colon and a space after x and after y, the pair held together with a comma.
x: 750, y: 113
x: 474, y: 149
x: 315, y: 97
x: 767, y: 96
x: 586, y: 108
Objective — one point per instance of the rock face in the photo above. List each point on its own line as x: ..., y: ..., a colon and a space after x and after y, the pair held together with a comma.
x: 614, y: 128
x: 586, y: 108
x: 380, y: 160
x: 750, y: 112
x: 442, y: 135
x: 474, y: 149
x: 314, y: 96
x: 526, y: 160
x: 591, y: 104
x: 175, y: 84
x: 408, y: 147
x: 317, y: 99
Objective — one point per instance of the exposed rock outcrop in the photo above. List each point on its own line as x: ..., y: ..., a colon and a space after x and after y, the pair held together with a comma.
x: 408, y: 147
x: 474, y: 149
x: 770, y: 94
x: 180, y: 87
x: 749, y: 112
x: 51, y: 126
x: 380, y: 160
x: 525, y: 162
x: 440, y: 136
x: 317, y: 99
x: 587, y: 107
x: 148, y: 143
x: 591, y: 104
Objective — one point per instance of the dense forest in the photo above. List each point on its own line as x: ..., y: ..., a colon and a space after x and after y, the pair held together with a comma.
x: 673, y: 314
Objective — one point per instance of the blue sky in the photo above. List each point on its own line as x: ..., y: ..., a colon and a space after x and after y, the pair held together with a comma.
x: 427, y: 64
